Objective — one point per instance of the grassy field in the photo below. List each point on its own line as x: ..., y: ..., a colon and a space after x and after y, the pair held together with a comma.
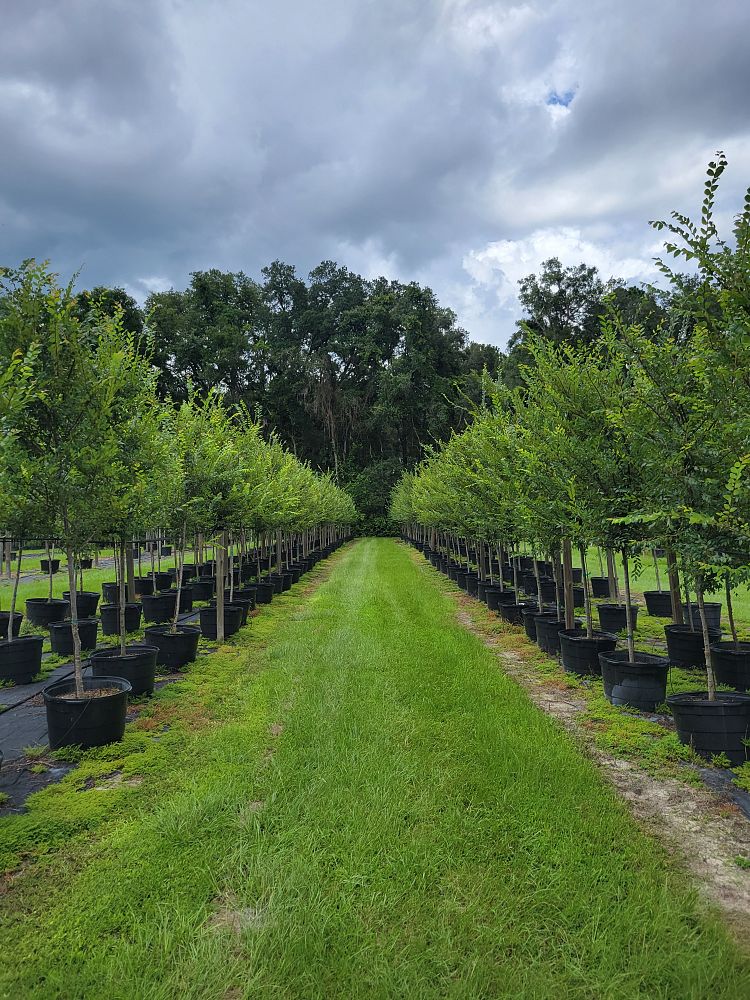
x: 349, y: 800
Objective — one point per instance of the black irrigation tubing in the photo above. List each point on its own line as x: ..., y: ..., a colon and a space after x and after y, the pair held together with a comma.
x: 186, y: 617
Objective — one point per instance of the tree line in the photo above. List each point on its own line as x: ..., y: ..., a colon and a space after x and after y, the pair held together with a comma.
x: 355, y: 376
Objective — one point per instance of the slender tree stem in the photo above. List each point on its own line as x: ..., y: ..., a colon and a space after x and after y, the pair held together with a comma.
x: 628, y: 613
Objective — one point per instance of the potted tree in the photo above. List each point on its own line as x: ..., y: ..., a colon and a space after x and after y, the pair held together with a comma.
x: 20, y: 656
x: 66, y: 437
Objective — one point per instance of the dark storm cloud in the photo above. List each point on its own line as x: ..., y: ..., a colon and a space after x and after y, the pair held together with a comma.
x: 142, y: 140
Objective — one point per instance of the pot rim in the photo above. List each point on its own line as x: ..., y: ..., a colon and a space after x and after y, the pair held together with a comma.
x: 114, y: 652
x: 118, y: 685
x: 727, y: 646
x: 21, y: 638
x: 722, y: 698
x: 693, y: 631
x: 166, y: 629
x: 654, y: 659
x: 579, y: 634
x: 81, y: 621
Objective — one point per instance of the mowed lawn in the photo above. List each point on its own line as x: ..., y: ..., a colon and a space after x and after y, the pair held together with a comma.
x: 351, y: 800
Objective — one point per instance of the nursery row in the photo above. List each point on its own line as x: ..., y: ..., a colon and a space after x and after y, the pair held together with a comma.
x: 92, y: 457
x: 634, y: 443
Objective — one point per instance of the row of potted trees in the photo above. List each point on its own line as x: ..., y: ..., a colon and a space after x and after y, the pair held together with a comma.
x: 90, y: 455
x: 633, y: 443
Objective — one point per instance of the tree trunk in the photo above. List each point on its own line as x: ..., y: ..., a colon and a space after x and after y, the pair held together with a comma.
x: 14, y: 594
x: 656, y: 570
x: 130, y: 570
x: 49, y: 568
x: 559, y: 587
x: 567, y: 560
x: 538, y: 578
x: 586, y: 595
x: 688, y: 603
x: 120, y: 556
x: 628, y: 614
x: 180, y: 563
x: 614, y: 586
x: 219, y: 555
x: 674, y: 588
x: 730, y: 612
x: 77, y: 665
x: 711, y: 677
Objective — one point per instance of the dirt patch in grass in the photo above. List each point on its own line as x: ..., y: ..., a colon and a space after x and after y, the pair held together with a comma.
x: 229, y: 916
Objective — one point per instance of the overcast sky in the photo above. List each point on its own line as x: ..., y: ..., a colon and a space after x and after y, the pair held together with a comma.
x: 454, y: 142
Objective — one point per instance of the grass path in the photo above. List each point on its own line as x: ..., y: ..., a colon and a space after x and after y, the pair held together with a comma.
x: 350, y: 801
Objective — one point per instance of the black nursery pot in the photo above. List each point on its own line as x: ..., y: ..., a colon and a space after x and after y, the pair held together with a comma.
x: 264, y: 592
x: 513, y: 613
x: 159, y: 607
x: 495, y: 597
x: 580, y: 654
x: 641, y: 684
x: 471, y: 584
x: 685, y: 647
x: 613, y: 617
x: 163, y: 580
x: 186, y: 597
x: 732, y: 665
x: 144, y: 585
x: 547, y: 633
x: 599, y: 586
x: 5, y: 621
x: 712, y: 610
x: 61, y: 635
x: 86, y: 563
x: 530, y: 615
x: 240, y: 594
x: 42, y: 612
x: 110, y: 618
x: 203, y: 588
x: 21, y: 659
x: 175, y: 649
x: 579, y: 598
x: 137, y: 666
x: 86, y: 722
x: 549, y: 591
x: 658, y: 603
x: 111, y: 592
x: 87, y: 602
x: 276, y: 582
x: 47, y: 563
x: 713, y: 727
x: 240, y: 603
x: 232, y: 620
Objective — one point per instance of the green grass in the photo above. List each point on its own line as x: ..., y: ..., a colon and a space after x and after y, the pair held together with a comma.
x: 350, y: 800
